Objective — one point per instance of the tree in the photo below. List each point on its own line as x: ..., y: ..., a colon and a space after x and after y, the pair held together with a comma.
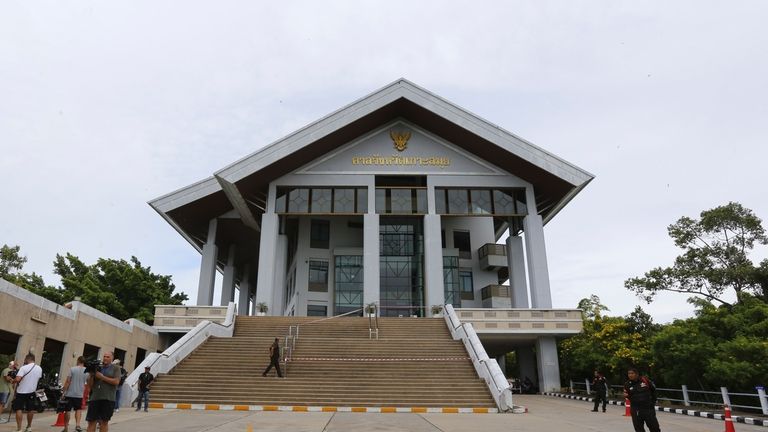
x: 715, y: 257
x: 117, y: 287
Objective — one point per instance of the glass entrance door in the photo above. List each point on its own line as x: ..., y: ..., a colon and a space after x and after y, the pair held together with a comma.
x: 401, y: 266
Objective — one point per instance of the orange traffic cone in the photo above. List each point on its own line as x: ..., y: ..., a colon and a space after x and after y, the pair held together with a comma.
x: 59, y: 420
x: 728, y: 420
x: 627, y: 411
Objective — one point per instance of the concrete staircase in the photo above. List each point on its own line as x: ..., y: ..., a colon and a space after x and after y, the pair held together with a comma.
x: 415, y: 363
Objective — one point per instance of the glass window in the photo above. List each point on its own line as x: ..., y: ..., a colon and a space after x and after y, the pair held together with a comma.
x: 481, y: 201
x: 520, y: 202
x: 362, y: 200
x: 421, y: 201
x: 451, y: 280
x: 298, y: 201
x: 465, y: 284
x: 381, y: 201
x: 348, y: 288
x: 440, y: 205
x: 503, y: 203
x: 462, y: 243
x: 317, y: 310
x: 280, y: 201
x: 343, y: 200
x: 318, y: 276
x: 320, y: 234
x: 457, y: 201
x: 321, y: 200
x: 400, y: 201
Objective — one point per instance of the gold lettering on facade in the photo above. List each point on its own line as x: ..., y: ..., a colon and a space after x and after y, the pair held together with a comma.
x: 400, y: 139
x: 436, y: 161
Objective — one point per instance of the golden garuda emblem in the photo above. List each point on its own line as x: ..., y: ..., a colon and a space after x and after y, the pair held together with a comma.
x: 400, y: 139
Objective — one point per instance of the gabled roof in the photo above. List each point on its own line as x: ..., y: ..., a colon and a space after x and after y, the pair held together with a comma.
x: 243, y: 184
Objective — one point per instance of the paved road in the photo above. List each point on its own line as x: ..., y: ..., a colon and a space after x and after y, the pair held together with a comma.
x: 544, y: 414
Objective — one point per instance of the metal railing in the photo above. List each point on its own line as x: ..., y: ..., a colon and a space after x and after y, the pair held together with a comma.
x: 373, y: 320
x: 492, y: 249
x: 685, y: 396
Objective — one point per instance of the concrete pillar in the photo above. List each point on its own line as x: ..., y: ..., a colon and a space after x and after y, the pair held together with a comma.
x: 549, y: 368
x: 527, y: 361
x: 265, y: 284
x: 245, y: 295
x: 538, y: 271
x: 370, y: 255
x: 434, y: 290
x: 228, y: 285
x: 517, y: 282
x: 208, y: 267
x: 281, y: 258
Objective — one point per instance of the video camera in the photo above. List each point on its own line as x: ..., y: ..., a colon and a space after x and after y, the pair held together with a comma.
x: 12, y: 373
x: 91, y: 366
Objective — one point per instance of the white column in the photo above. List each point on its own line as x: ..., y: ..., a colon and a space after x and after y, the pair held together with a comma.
x: 281, y: 257
x: 265, y: 284
x: 228, y: 282
x: 245, y: 295
x: 516, y: 264
x: 434, y: 291
x: 370, y: 256
x: 538, y: 272
x: 208, y: 267
x: 549, y: 368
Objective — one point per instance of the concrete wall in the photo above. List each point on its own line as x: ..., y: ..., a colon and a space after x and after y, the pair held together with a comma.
x: 480, y: 232
x: 34, y: 318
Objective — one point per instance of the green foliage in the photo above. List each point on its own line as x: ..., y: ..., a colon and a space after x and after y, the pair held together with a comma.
x: 715, y: 257
x: 119, y: 288
x: 609, y: 344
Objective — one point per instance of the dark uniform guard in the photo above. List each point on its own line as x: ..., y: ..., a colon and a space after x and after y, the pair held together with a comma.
x: 274, y: 358
x: 642, y: 400
x: 600, y: 386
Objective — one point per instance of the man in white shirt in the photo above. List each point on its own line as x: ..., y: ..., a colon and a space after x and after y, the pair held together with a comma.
x: 26, y: 384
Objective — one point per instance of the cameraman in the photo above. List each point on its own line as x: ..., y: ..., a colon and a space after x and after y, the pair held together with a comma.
x: 103, y: 384
x: 26, y: 384
x: 5, y: 386
x: 72, y: 392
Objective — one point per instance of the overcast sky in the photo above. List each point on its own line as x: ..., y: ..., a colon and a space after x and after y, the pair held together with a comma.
x: 107, y: 105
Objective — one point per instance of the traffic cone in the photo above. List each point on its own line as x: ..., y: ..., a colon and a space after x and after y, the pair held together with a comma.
x: 627, y: 411
x: 60, y: 420
x: 728, y: 420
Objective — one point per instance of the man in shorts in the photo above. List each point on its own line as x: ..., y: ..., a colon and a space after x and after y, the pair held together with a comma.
x: 103, y: 384
x: 26, y: 384
x: 72, y: 392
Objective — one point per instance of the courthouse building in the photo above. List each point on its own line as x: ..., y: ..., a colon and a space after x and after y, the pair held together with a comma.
x: 401, y: 199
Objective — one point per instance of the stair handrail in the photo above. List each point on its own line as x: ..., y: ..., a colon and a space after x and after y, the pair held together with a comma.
x: 173, y: 355
x: 289, y: 346
x: 373, y: 320
x: 487, y: 368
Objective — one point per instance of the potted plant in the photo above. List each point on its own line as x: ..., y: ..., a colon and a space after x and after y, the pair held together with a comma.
x: 370, y: 309
x: 437, y: 310
x: 262, y: 309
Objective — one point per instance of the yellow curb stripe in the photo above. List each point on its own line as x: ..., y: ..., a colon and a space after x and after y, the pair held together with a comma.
x: 450, y: 410
x: 480, y: 410
x: 156, y: 405
x: 306, y: 408
x: 241, y: 408
x: 183, y: 406
x: 388, y: 409
x: 212, y: 407
x: 329, y: 409
x: 270, y: 408
x: 359, y: 409
x: 418, y: 410
x: 300, y: 408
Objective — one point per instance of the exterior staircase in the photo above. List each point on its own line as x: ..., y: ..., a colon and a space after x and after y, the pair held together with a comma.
x: 415, y: 363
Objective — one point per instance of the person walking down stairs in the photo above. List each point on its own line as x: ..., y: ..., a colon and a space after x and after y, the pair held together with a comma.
x: 274, y: 358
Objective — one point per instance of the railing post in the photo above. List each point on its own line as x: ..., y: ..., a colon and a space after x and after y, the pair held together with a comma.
x: 763, y: 399
x: 571, y: 387
x: 589, y: 389
x: 726, y: 399
x: 686, y: 400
